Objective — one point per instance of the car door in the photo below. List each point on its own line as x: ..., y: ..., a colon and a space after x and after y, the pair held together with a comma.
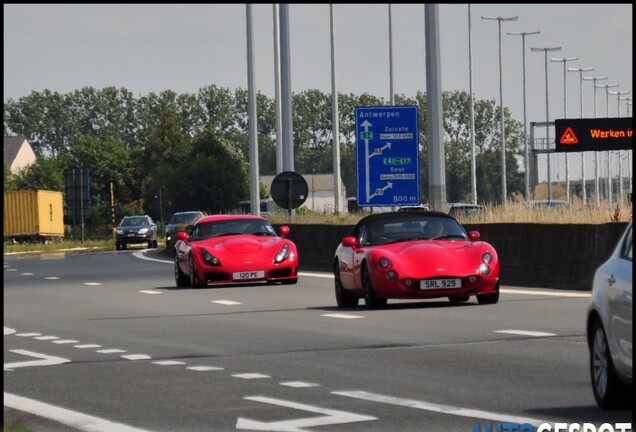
x: 619, y: 279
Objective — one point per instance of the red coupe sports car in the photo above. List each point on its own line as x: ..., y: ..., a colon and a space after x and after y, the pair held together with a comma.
x: 228, y: 249
x: 414, y: 255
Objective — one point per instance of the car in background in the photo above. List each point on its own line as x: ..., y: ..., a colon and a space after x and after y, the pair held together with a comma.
x: 609, y: 327
x: 231, y: 249
x: 414, y: 255
x: 547, y: 204
x: 135, y: 230
x: 418, y: 207
x: 464, y: 209
x: 179, y: 222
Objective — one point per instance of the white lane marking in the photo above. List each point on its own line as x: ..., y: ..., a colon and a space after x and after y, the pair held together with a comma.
x: 547, y: 293
x: 299, y: 384
x: 65, y: 416
x: 8, y: 330
x: 12, y: 269
x: 27, y: 274
x: 28, y: 334
x: 150, y: 292
x: 136, y: 357
x: 84, y: 346
x: 329, y: 417
x: 318, y: 275
x: 168, y: 362
x: 226, y: 302
x: 65, y: 341
x: 110, y: 351
x: 92, y: 283
x: 45, y: 360
x: 344, y: 316
x: 47, y: 337
x: 444, y: 409
x: 526, y: 333
x: 51, y: 278
x: 250, y: 376
x: 204, y: 368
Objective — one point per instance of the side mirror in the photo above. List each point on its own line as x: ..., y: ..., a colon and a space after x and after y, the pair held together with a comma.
x: 474, y: 235
x: 182, y: 235
x: 284, y: 230
x: 350, y: 242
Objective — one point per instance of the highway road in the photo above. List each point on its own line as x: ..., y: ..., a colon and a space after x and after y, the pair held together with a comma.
x: 106, y: 342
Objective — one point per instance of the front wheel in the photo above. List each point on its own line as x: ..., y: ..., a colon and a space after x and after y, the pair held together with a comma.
x: 370, y: 300
x: 180, y: 278
x: 193, y: 275
x: 343, y: 297
x: 609, y: 390
x: 489, y: 298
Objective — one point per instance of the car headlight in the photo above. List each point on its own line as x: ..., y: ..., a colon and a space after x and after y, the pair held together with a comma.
x: 282, y: 254
x: 143, y: 231
x: 210, y: 259
x: 487, y: 257
x: 385, y: 263
x: 119, y: 231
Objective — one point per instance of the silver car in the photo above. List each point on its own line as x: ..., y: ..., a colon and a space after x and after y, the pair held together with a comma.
x: 609, y: 327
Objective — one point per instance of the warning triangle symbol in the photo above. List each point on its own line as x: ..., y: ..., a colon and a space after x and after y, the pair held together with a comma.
x: 568, y: 137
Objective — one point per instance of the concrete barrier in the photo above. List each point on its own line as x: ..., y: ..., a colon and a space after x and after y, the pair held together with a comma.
x: 562, y: 256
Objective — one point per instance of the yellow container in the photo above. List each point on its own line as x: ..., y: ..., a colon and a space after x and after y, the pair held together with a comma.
x: 33, y: 213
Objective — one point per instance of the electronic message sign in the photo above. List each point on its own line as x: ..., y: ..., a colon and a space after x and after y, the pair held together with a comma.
x: 598, y: 134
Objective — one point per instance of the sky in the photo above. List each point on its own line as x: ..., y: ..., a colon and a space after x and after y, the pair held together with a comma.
x: 157, y: 47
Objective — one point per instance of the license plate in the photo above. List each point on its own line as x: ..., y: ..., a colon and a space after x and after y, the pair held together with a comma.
x: 131, y: 235
x: 440, y: 283
x: 260, y: 274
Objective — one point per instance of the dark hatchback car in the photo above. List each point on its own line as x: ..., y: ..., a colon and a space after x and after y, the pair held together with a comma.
x: 136, y: 230
x: 178, y: 222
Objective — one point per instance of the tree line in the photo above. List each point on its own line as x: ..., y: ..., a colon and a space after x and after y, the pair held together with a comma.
x: 194, y: 148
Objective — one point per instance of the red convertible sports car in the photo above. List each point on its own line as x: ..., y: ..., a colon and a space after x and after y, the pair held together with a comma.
x: 228, y: 249
x: 414, y: 255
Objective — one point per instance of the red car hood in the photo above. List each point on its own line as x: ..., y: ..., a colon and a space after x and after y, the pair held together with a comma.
x: 241, y: 244
x: 429, y: 258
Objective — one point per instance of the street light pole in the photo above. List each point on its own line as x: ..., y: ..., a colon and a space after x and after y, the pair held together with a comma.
x: 618, y: 152
x: 596, y: 185
x: 501, y: 107
x: 547, y: 112
x: 565, y: 115
x: 609, y: 162
x: 580, y: 70
x: 526, y: 160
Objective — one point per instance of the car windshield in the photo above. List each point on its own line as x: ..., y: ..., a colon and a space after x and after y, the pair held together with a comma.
x: 134, y: 221
x: 185, y: 218
x: 232, y: 227
x: 410, y: 228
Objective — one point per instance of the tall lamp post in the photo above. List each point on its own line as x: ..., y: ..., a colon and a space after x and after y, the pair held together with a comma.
x: 580, y: 70
x: 525, y: 122
x: 609, y: 162
x: 596, y: 186
x: 501, y: 107
x: 565, y: 115
x: 547, y: 111
x: 618, y: 152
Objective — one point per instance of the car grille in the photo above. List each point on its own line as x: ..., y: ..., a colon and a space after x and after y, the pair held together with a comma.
x: 217, y: 277
x: 279, y: 273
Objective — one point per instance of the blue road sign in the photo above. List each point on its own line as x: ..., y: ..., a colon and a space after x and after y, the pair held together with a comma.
x: 387, y: 156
